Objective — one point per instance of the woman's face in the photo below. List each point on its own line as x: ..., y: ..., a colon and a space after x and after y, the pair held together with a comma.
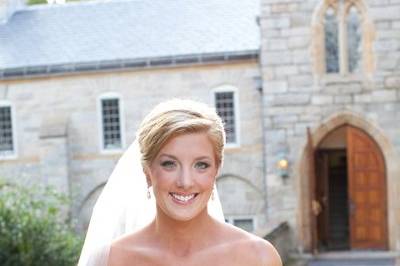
x: 183, y: 175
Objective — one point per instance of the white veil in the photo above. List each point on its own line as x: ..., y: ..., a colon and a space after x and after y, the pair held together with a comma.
x: 123, y: 207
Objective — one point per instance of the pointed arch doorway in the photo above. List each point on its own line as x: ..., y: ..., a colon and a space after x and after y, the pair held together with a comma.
x: 350, y: 192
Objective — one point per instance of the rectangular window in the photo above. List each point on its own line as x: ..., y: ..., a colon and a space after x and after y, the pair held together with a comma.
x: 6, y: 131
x: 246, y: 223
x: 225, y: 106
x: 111, y: 122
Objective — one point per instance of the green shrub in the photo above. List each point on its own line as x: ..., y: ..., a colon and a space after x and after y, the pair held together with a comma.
x: 34, y: 230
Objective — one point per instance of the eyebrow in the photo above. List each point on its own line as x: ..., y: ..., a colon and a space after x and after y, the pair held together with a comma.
x: 198, y: 158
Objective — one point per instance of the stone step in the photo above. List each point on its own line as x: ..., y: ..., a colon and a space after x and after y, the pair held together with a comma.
x: 352, y: 262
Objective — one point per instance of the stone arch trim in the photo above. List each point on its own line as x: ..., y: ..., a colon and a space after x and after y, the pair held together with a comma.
x: 318, y: 33
x: 242, y: 179
x: 392, y: 172
x: 88, y: 195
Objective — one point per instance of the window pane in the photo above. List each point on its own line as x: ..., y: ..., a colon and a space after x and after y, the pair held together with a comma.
x: 6, y: 140
x: 354, y: 40
x: 111, y: 124
x: 225, y: 106
x: 331, y: 42
x: 245, y: 224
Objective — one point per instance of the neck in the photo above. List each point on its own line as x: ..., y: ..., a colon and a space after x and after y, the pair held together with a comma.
x: 183, y: 238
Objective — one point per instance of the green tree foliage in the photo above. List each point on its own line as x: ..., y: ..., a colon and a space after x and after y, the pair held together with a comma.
x: 33, y: 229
x: 36, y: 2
x: 41, y: 2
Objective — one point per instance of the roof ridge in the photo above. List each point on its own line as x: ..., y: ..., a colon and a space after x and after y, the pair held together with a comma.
x: 72, y: 4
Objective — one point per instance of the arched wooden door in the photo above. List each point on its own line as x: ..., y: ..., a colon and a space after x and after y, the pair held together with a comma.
x: 367, y: 192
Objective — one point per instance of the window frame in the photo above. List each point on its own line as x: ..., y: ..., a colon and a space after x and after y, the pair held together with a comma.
x: 231, y: 219
x: 110, y: 96
x: 234, y: 90
x: 342, y: 10
x: 14, y: 154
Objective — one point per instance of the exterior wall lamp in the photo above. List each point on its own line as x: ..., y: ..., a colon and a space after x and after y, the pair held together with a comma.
x: 283, y: 167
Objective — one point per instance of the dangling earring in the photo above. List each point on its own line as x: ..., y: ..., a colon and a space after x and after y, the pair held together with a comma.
x: 212, y: 195
x: 148, y: 193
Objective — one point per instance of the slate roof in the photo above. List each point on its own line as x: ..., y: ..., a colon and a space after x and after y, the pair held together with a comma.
x: 113, y: 34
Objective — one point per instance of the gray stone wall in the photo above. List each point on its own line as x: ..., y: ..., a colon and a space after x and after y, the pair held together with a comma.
x: 71, y: 159
x: 296, y: 97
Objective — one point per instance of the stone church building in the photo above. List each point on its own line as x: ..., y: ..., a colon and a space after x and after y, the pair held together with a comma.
x: 309, y: 92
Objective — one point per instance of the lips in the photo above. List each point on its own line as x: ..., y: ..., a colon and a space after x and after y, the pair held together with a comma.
x: 180, y: 198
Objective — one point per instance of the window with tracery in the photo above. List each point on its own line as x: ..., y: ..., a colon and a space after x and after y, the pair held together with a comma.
x: 331, y: 42
x: 353, y: 40
x: 343, y: 37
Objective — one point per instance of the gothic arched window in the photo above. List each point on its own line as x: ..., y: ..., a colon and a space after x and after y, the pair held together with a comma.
x: 331, y: 41
x: 354, y: 35
x: 342, y: 37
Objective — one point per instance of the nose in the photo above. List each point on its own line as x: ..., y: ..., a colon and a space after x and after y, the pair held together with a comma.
x: 185, y: 179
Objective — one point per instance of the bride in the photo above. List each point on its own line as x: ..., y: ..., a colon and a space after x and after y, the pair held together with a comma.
x: 176, y: 157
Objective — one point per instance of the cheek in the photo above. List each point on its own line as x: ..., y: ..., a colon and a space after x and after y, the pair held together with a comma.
x: 207, y: 180
x: 162, y: 178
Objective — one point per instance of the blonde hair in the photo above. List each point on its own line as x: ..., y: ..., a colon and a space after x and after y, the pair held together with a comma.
x: 175, y: 117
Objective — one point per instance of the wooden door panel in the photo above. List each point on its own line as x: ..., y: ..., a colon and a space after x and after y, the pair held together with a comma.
x: 311, y: 171
x: 367, y: 192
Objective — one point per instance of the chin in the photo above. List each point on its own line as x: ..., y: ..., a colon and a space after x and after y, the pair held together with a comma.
x: 185, y: 212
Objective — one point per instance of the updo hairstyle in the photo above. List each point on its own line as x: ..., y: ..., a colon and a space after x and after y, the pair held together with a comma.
x: 176, y: 117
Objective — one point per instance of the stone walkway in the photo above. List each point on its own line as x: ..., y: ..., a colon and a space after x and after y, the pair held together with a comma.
x: 352, y: 262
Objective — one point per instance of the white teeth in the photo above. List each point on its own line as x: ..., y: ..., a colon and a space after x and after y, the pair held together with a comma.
x: 183, y: 198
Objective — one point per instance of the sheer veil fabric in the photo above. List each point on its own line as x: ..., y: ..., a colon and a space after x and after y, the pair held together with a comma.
x: 123, y: 207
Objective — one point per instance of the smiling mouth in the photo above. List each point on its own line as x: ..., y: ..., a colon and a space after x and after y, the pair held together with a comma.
x: 183, y: 198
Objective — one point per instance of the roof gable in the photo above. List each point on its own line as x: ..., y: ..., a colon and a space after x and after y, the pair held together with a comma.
x: 119, y: 30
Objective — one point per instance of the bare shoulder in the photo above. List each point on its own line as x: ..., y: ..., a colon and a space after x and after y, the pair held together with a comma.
x: 266, y: 252
x: 254, y: 249
x: 132, y: 248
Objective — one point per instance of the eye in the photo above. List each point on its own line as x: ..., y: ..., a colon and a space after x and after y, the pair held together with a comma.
x: 201, y: 165
x: 168, y: 164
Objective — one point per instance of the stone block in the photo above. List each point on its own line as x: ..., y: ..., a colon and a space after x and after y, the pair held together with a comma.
x: 343, y: 99
x: 301, y: 56
x: 297, y: 31
x: 268, y: 73
x: 301, y: 81
x: 306, y: 89
x: 384, y: 95
x: 352, y: 88
x: 291, y: 99
x: 298, y: 42
x: 277, y: 44
x: 266, y: 2
x: 277, y: 58
x: 383, y: 25
x: 386, y: 34
x: 387, y: 45
x: 276, y: 86
x: 321, y: 99
x: 309, y: 117
x: 269, y: 34
x: 305, y: 69
x: 276, y: 136
x: 277, y: 110
x: 287, y: 70
x: 283, y: 7
x: 392, y: 81
x: 385, y: 12
x: 378, y: 2
x: 300, y: 19
x: 276, y: 23
x: 396, y: 24
x: 284, y: 119
x: 362, y: 98
x: 54, y: 125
